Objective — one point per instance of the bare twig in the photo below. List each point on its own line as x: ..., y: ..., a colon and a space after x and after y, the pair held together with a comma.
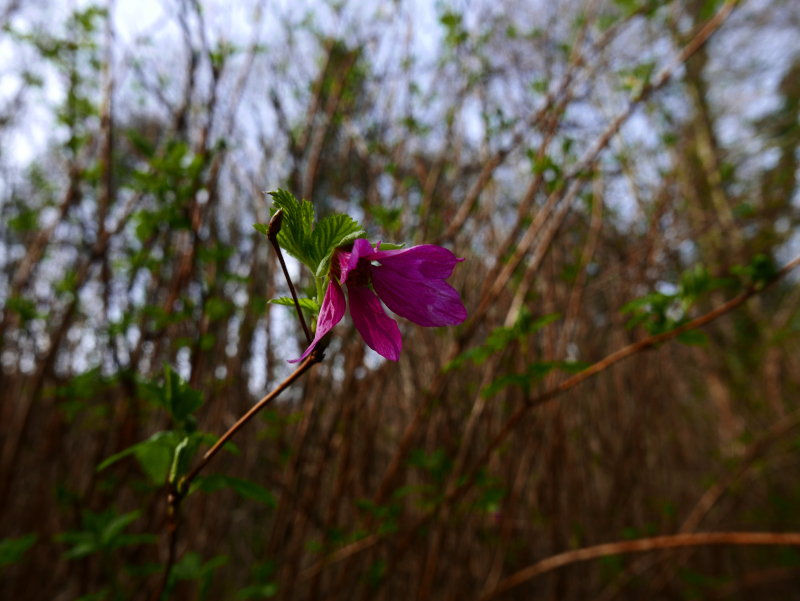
x: 640, y: 546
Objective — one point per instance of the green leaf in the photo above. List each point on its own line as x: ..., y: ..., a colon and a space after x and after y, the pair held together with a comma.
x: 117, y: 525
x: 693, y: 338
x: 298, y: 220
x: 178, y: 463
x: 534, y: 373
x: 12, y: 549
x: 331, y: 232
x: 309, y: 304
x: 25, y: 308
x: 180, y: 399
x: 154, y: 455
x: 244, y: 488
x: 389, y: 246
x: 499, y: 338
x: 261, y: 228
x: 102, y: 532
x: 641, y: 303
x: 325, y: 262
x: 216, y: 308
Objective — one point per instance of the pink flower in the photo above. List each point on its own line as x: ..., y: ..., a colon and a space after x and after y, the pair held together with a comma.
x: 410, y: 281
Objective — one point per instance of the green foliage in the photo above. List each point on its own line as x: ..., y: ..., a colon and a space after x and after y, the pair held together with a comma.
x: 491, y: 491
x: 25, y: 308
x: 263, y: 587
x: 330, y: 233
x: 635, y: 79
x: 501, y: 337
x: 244, y: 488
x: 26, y: 220
x: 78, y: 393
x: 175, y: 396
x: 660, y: 312
x: 191, y: 567
x: 388, y: 218
x: 298, y: 221
x: 309, y: 304
x: 533, y: 374
x: 437, y: 464
x: 455, y: 34
x: 312, y: 246
x: 375, y: 573
x: 693, y: 338
x: 173, y: 178
x: 102, y: 533
x: 169, y: 452
x: 216, y: 308
x: 12, y: 549
x: 760, y: 271
x: 155, y: 455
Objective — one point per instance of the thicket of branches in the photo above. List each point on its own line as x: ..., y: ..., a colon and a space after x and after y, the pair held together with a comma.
x: 621, y: 178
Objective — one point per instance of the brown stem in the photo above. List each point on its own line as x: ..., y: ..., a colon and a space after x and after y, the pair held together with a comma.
x: 639, y: 546
x: 272, y: 235
x: 173, y: 513
x: 304, y: 367
x: 177, y: 493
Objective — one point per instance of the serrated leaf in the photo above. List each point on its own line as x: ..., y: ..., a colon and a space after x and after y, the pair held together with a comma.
x: 331, y: 232
x: 325, y: 263
x: 305, y: 303
x: 298, y: 221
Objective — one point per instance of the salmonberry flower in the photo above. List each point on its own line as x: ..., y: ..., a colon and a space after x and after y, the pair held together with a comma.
x: 410, y: 281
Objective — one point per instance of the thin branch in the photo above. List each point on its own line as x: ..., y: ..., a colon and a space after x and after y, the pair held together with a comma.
x: 640, y: 546
x: 313, y: 359
x: 176, y: 494
x: 272, y: 235
x: 624, y: 353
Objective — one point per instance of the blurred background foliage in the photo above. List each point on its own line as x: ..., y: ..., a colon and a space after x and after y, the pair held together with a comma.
x: 593, y: 207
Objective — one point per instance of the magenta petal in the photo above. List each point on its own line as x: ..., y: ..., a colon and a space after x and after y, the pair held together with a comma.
x: 424, y: 262
x: 330, y: 314
x: 430, y: 303
x: 378, y: 330
x: 349, y: 260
